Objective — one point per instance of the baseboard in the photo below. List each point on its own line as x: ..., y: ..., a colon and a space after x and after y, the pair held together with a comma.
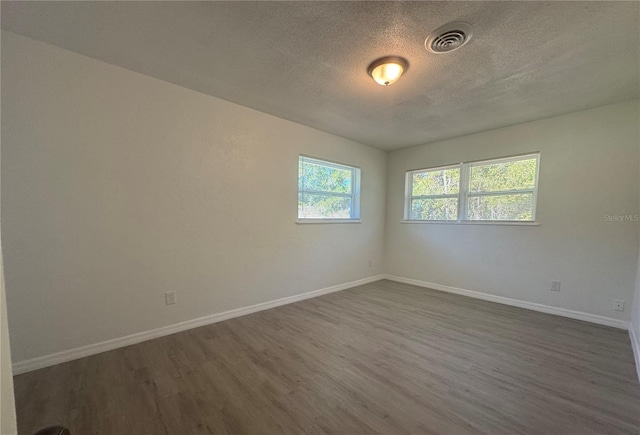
x: 92, y: 349
x: 635, y: 345
x: 579, y: 315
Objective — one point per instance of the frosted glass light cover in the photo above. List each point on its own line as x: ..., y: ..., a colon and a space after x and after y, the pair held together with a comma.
x: 387, y: 70
x: 387, y: 74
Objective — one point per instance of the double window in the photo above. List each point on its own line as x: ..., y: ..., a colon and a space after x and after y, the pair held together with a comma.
x: 492, y: 190
x: 327, y: 190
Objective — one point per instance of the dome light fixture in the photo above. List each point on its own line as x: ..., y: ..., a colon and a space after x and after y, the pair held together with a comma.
x: 387, y: 70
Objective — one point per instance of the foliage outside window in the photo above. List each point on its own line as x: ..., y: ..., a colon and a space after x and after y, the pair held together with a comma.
x: 492, y: 190
x: 435, y: 194
x: 327, y: 190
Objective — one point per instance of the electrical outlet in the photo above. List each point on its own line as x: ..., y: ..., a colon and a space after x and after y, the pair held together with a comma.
x: 618, y: 305
x: 170, y: 298
x: 555, y: 286
x: 370, y: 264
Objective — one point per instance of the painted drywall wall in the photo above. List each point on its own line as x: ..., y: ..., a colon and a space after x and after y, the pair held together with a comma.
x: 634, y: 327
x: 7, y: 400
x: 588, y: 170
x: 118, y: 187
x: 7, y: 405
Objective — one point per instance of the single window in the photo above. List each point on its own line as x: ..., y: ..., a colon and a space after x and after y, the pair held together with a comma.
x: 327, y: 190
x: 493, y: 190
x: 503, y: 190
x: 434, y: 194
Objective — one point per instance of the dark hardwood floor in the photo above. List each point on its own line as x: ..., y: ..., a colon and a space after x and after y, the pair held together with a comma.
x: 384, y: 358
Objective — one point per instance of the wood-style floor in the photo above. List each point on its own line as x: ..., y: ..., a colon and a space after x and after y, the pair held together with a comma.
x: 384, y: 358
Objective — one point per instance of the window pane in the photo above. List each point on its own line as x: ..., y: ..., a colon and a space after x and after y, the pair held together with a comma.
x: 318, y: 206
x: 438, y: 209
x: 517, y: 207
x: 314, y: 176
x: 438, y: 182
x: 512, y: 175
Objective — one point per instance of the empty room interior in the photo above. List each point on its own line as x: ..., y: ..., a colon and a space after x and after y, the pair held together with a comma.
x: 341, y: 217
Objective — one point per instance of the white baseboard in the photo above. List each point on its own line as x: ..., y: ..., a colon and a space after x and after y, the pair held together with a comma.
x: 635, y: 345
x: 92, y: 349
x: 579, y: 315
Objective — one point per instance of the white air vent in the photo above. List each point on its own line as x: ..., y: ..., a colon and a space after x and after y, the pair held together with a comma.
x: 448, y: 38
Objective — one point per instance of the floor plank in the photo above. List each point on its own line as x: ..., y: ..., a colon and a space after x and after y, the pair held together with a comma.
x: 385, y: 358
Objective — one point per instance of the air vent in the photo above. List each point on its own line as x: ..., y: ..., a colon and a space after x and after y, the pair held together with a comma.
x: 448, y: 38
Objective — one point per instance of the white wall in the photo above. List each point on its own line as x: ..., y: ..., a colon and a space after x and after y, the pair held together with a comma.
x: 7, y: 403
x: 118, y: 187
x: 7, y: 406
x: 634, y: 327
x: 589, y: 169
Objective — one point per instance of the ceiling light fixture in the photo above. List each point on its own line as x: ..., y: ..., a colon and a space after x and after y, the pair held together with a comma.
x: 387, y: 70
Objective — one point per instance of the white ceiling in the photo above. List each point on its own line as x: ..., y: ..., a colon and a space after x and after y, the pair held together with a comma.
x: 307, y: 61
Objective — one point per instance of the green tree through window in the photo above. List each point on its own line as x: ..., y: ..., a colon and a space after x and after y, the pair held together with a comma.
x: 327, y: 190
x: 495, y: 190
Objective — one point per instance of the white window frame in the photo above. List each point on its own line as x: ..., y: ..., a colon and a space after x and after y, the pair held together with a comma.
x: 464, y: 194
x: 354, y: 196
x: 409, y: 198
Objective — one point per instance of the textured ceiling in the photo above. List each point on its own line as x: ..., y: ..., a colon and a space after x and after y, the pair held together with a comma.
x: 307, y: 61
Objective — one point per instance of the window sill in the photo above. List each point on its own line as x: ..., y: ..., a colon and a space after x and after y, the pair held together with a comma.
x: 514, y: 223
x: 327, y: 221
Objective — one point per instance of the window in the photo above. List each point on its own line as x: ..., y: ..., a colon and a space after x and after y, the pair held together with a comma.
x: 327, y: 190
x: 492, y: 190
x: 435, y: 194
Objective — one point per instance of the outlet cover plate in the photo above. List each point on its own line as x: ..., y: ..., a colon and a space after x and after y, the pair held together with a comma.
x: 170, y: 298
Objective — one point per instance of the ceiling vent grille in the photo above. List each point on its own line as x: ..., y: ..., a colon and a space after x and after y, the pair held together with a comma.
x: 448, y: 38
